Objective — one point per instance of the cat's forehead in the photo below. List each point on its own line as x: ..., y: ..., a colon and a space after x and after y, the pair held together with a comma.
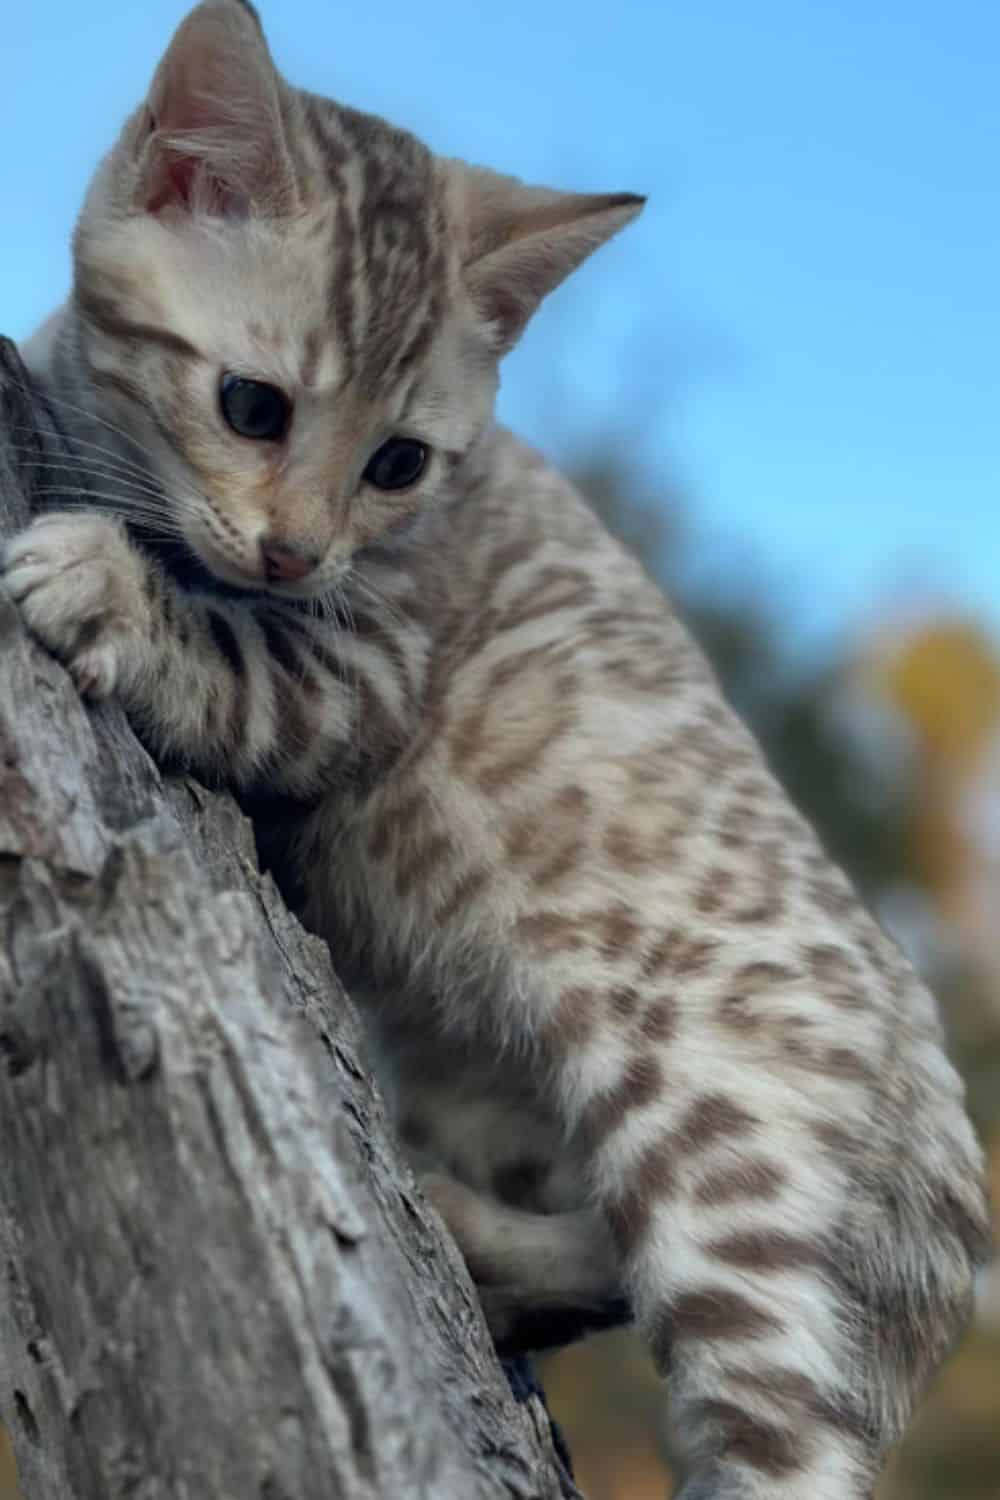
x: 349, y: 290
x: 380, y: 227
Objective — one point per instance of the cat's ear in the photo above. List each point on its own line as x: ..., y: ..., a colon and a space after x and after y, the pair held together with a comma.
x: 211, y: 135
x: 523, y: 241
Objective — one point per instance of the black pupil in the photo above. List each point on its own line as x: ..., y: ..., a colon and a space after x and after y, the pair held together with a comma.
x: 254, y: 409
x: 398, y: 463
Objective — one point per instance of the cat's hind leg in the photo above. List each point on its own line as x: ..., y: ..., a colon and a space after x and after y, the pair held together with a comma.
x: 544, y: 1279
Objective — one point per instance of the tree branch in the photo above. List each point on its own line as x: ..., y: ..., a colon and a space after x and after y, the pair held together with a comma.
x: 217, y: 1277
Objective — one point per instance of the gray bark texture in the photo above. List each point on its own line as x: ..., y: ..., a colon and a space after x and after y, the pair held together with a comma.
x: 217, y: 1277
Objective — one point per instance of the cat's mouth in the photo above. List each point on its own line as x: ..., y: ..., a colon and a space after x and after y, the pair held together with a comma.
x: 197, y: 572
x: 256, y: 576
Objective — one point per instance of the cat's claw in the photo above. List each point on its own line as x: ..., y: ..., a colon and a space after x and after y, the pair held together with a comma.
x: 79, y: 587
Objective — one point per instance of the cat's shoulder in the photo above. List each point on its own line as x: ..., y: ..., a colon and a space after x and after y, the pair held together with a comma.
x: 516, y: 492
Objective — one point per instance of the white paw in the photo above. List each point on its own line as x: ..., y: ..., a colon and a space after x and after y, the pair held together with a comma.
x: 79, y: 587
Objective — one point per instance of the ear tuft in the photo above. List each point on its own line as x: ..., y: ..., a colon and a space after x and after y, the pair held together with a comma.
x: 523, y: 241
x: 214, y: 140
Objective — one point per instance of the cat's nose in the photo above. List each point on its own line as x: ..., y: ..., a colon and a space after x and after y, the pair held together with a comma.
x: 286, y: 562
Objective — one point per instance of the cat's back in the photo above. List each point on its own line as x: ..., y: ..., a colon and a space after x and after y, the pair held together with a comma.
x: 574, y: 735
x: 553, y: 657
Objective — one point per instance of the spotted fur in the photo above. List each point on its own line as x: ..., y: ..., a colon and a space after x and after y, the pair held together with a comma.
x: 645, y: 1033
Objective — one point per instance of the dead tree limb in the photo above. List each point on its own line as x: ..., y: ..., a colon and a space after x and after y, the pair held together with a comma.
x: 217, y: 1278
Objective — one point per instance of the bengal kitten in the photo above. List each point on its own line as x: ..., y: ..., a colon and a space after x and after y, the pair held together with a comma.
x: 618, y: 996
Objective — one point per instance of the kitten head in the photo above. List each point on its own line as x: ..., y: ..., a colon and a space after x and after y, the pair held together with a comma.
x: 298, y: 309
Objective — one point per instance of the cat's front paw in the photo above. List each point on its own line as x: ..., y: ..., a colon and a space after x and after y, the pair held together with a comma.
x: 79, y: 586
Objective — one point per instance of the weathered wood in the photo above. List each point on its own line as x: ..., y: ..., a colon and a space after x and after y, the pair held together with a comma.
x: 217, y: 1278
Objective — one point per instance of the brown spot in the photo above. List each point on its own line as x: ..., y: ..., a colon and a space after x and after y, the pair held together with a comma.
x: 640, y: 1083
x: 790, y: 1388
x: 842, y: 1062
x: 695, y: 957
x: 341, y: 299
x: 836, y: 1139
x: 552, y: 589
x: 738, y: 819
x: 525, y: 837
x: 718, y: 1313
x: 712, y: 1118
x: 624, y: 1001
x: 755, y: 978
x: 967, y: 1221
x: 877, y: 951
x: 393, y: 822
x: 512, y: 554
x: 622, y: 844
x: 763, y: 1446
x: 525, y: 758
x: 575, y: 1018
x: 679, y: 956
x: 712, y: 893
x: 659, y: 1023
x: 754, y: 789
x: 550, y: 931
x: 828, y: 963
x: 655, y: 676
x: 571, y: 801
x: 847, y: 999
x: 746, y: 1179
x: 619, y: 932
x: 647, y: 1182
x: 767, y: 1250
x: 798, y: 1050
x: 465, y: 891
x: 738, y: 1014
x: 831, y: 895
x: 468, y: 738
x: 662, y: 955
x: 416, y: 867
x: 762, y: 913
x: 562, y: 863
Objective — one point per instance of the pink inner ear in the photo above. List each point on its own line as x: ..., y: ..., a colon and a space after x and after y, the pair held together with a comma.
x: 174, y: 183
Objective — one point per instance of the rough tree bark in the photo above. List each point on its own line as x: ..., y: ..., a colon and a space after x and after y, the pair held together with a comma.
x: 217, y: 1278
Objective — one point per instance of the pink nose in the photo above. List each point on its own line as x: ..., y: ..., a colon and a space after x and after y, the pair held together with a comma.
x: 286, y: 563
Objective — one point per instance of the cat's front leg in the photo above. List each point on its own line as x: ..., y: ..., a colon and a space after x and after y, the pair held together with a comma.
x: 80, y: 587
x: 244, y: 691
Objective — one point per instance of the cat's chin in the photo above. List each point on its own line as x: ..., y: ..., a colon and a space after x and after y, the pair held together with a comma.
x: 208, y: 568
x: 211, y: 563
x: 229, y: 576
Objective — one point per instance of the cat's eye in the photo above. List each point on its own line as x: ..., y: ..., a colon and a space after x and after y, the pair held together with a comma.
x: 254, y: 409
x: 397, y: 464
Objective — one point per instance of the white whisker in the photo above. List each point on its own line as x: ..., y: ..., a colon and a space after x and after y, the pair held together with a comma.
x: 120, y: 510
x: 109, y: 454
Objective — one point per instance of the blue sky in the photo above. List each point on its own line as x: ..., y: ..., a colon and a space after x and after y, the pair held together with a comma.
x: 804, y: 327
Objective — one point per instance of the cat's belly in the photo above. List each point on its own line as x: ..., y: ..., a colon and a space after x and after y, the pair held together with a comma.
x: 478, y: 1118
x: 462, y: 1101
